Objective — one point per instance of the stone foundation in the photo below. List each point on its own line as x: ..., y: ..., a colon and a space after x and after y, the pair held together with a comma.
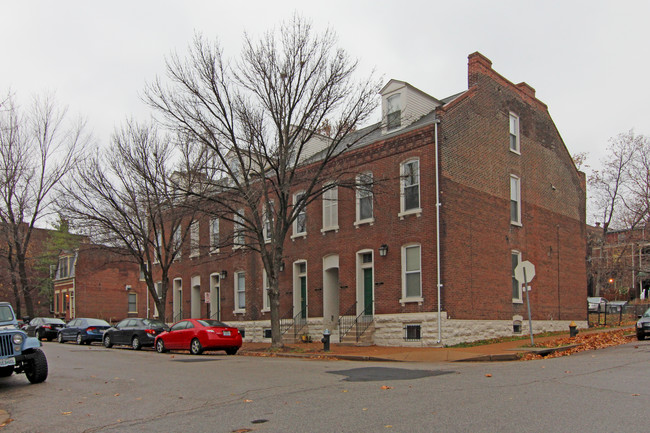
x: 390, y: 329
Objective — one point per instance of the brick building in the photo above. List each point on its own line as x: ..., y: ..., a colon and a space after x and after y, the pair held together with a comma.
x: 508, y: 191
x: 99, y: 282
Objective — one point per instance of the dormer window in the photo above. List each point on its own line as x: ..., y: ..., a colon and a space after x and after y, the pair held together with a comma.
x: 393, y: 112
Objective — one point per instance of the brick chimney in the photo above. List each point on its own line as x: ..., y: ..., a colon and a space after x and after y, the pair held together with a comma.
x: 526, y: 89
x: 477, y: 63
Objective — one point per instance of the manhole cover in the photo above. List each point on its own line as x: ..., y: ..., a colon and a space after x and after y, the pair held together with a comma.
x: 373, y: 374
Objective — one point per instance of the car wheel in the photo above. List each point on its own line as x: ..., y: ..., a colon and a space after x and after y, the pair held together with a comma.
x: 107, y: 341
x: 195, y: 347
x: 640, y: 336
x: 135, y: 343
x: 40, y: 334
x: 160, y: 346
x: 36, y: 369
x: 6, y: 371
x: 80, y: 339
x: 59, y: 337
x: 232, y: 350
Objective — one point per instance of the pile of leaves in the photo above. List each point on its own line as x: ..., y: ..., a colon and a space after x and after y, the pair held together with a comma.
x: 587, y: 341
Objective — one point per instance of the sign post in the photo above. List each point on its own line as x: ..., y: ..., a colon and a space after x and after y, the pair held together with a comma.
x: 524, y: 272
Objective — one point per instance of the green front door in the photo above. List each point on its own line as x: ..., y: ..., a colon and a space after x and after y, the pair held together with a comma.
x: 367, y: 292
x: 303, y: 297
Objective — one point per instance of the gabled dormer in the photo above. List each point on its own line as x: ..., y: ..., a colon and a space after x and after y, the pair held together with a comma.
x: 403, y: 104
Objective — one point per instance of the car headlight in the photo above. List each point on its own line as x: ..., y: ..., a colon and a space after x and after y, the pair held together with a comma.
x: 639, y: 325
x: 18, y: 339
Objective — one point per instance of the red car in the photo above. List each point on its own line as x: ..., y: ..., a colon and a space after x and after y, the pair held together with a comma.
x: 197, y: 335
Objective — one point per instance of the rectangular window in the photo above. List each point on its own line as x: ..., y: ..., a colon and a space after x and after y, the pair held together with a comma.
x: 364, y: 198
x: 266, y: 301
x: 268, y: 221
x: 214, y: 235
x: 238, y: 229
x: 194, y: 239
x: 410, y: 186
x: 515, y: 257
x: 300, y: 223
x: 240, y: 291
x: 176, y: 242
x: 133, y: 305
x: 159, y: 249
x: 393, y: 112
x: 331, y: 208
x: 514, y: 133
x: 412, y: 273
x: 412, y: 332
x: 515, y: 200
x: 143, y: 268
x: 63, y: 267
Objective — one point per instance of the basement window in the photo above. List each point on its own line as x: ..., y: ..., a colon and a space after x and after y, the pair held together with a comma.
x: 266, y: 333
x: 412, y: 332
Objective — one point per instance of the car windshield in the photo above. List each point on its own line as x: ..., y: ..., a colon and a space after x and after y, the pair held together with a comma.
x: 97, y: 322
x: 6, y: 314
x: 212, y: 323
x: 54, y: 321
x: 155, y: 323
x: 647, y: 313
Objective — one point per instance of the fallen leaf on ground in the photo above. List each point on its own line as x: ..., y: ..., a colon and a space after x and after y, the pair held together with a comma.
x: 386, y: 387
x: 248, y: 401
x: 488, y: 375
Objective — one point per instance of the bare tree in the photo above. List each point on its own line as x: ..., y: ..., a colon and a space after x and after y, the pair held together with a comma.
x: 132, y: 197
x: 620, y: 194
x: 38, y: 148
x: 254, y: 122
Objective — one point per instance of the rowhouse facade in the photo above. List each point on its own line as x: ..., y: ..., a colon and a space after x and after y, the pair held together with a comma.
x: 463, y: 189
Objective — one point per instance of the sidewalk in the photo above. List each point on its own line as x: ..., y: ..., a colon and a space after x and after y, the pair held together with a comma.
x: 504, y: 351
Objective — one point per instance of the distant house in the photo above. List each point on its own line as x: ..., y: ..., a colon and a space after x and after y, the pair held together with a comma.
x: 99, y: 282
x: 472, y: 185
x: 619, y: 263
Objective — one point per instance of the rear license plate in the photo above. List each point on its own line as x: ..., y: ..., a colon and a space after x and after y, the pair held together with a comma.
x: 226, y: 333
x: 7, y: 361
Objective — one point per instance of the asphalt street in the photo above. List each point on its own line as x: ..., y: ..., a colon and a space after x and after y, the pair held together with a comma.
x: 93, y: 389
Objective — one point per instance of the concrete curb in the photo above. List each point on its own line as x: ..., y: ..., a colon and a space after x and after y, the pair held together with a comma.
x: 317, y: 356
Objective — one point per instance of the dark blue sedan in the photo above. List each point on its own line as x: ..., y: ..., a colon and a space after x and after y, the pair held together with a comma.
x: 83, y: 331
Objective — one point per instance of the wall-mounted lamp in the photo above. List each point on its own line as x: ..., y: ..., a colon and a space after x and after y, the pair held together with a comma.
x: 281, y: 266
x: 128, y: 287
x: 383, y: 250
x: 224, y: 274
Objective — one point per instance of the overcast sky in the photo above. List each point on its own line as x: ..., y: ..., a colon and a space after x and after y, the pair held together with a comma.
x: 587, y: 60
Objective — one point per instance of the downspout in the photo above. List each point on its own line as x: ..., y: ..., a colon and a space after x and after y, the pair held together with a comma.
x: 439, y: 282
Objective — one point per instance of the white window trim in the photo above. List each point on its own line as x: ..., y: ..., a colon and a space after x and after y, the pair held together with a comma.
x: 267, y: 219
x: 512, y: 222
x: 521, y: 294
x: 266, y: 304
x: 358, y: 221
x: 195, y: 240
x: 410, y: 299
x: 398, y: 96
x: 518, y: 135
x: 214, y: 246
x: 177, y: 243
x: 402, y: 186
x: 296, y: 235
x: 237, y: 228
x: 327, y: 196
x: 238, y: 309
x: 129, y: 303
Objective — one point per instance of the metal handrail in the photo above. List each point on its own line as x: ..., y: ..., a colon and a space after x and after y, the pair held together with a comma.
x: 346, y: 321
x: 360, y: 323
x: 177, y: 317
x: 286, y: 321
x: 299, y: 322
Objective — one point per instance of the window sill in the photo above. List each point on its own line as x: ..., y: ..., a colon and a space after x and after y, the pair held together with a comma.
x: 404, y: 301
x: 265, y: 310
x: 334, y: 229
x: 214, y: 251
x: 518, y: 301
x: 193, y: 256
x: 369, y: 221
x: 299, y: 235
x: 516, y: 224
x: 517, y: 152
x: 417, y: 212
x: 239, y: 311
x: 236, y: 247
